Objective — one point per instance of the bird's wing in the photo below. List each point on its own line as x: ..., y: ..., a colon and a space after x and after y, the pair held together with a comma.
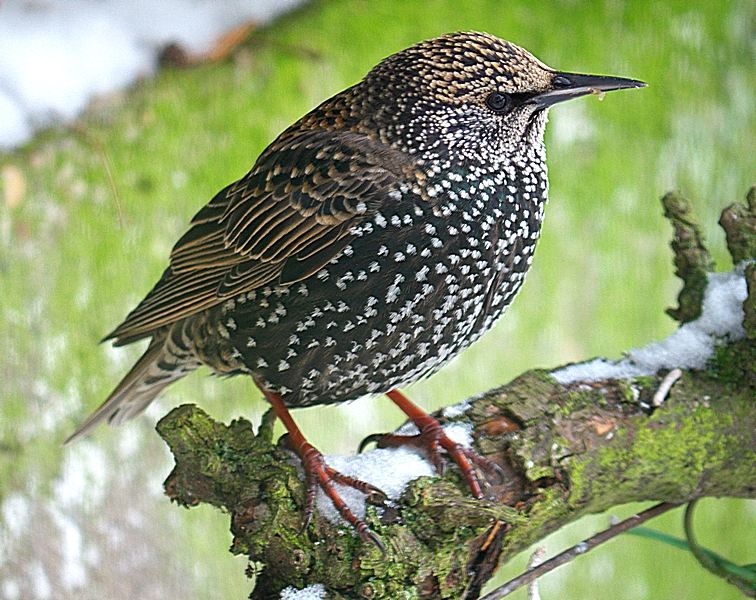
x: 282, y: 222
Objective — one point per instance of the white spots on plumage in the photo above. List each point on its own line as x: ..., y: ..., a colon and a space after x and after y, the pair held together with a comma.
x: 449, y: 282
x: 393, y: 290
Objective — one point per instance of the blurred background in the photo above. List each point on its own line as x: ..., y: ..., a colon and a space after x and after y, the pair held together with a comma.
x: 90, y: 207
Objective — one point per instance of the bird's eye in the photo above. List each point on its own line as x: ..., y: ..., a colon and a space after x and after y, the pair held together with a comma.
x: 499, y: 102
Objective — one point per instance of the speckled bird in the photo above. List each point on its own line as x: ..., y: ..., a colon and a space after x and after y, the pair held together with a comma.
x: 372, y: 241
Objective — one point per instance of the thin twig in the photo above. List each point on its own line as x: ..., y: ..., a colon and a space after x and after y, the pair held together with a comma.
x: 536, y: 559
x: 661, y: 394
x: 578, y: 549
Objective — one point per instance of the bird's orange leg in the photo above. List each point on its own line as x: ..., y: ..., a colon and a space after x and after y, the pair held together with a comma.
x: 317, y: 472
x: 430, y: 438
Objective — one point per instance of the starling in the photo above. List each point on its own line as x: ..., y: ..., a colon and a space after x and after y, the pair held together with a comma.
x: 372, y: 241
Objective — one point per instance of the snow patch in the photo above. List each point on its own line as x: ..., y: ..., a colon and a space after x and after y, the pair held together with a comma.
x: 55, y: 55
x: 457, y: 410
x: 84, y: 477
x: 388, y: 469
x: 15, y: 513
x: 690, y: 347
x: 73, y: 573
x: 311, y: 592
x: 461, y: 433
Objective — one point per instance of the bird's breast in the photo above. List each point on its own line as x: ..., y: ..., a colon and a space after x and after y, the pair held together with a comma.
x: 419, y: 281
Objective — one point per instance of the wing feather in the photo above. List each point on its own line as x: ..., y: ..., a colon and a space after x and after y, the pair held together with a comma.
x: 281, y: 223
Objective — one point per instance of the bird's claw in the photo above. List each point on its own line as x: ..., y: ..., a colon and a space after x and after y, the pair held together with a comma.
x: 430, y: 441
x: 373, y: 437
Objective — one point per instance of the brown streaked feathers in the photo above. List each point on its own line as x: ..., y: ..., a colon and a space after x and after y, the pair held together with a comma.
x: 280, y: 223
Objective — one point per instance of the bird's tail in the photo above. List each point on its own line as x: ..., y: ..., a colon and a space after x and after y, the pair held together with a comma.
x: 167, y: 359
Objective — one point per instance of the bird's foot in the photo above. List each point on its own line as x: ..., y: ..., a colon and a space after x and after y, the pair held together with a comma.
x: 318, y: 473
x: 431, y: 439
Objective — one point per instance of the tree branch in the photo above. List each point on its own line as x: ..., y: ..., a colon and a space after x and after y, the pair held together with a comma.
x: 581, y: 448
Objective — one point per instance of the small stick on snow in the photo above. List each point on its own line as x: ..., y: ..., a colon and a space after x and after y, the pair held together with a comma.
x: 661, y: 394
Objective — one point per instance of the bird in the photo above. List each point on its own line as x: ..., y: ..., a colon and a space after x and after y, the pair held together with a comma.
x: 371, y: 242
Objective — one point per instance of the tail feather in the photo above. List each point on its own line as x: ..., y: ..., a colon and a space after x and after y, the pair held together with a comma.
x: 164, y: 362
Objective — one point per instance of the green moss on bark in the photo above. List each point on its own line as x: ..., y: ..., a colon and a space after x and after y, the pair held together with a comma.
x: 692, y: 258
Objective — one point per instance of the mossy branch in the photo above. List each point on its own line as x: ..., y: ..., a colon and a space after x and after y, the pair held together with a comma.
x: 580, y: 448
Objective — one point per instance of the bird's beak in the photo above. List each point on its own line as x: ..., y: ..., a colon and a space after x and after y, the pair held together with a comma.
x: 566, y: 86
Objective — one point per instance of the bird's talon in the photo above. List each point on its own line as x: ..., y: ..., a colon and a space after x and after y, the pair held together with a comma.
x: 377, y: 498
x: 440, y: 465
x: 306, y: 520
x: 369, y: 536
x: 373, y: 437
x: 484, y: 463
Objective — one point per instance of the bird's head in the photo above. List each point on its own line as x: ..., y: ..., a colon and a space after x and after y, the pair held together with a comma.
x: 471, y: 91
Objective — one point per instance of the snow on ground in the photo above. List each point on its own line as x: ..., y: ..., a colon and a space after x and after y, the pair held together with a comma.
x: 690, y: 347
x: 55, y: 55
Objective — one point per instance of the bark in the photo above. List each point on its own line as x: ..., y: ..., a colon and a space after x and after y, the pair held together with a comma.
x: 580, y: 448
